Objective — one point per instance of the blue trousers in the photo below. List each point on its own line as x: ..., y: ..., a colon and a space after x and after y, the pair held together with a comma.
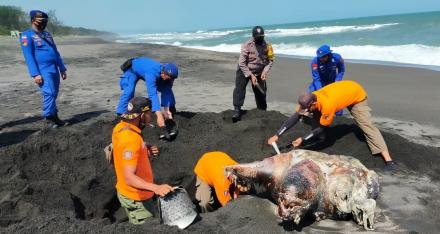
x: 49, y: 90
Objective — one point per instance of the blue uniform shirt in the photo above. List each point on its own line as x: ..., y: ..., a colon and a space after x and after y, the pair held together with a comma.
x: 328, y: 72
x: 149, y: 70
x: 41, y: 53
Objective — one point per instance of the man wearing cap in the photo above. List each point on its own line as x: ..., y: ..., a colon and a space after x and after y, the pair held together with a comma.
x: 323, y: 104
x: 45, y: 64
x: 255, y: 61
x: 135, y: 186
x: 158, y: 78
x: 327, y: 67
x: 211, y: 182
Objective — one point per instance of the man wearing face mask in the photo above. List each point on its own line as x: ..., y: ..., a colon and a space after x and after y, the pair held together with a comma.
x: 322, y: 105
x: 45, y: 64
x: 135, y: 186
x: 255, y: 61
x: 327, y: 67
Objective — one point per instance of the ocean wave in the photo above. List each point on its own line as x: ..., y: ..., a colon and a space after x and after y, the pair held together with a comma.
x: 174, y: 36
x: 410, y: 54
x: 230, y: 48
x: 324, y: 30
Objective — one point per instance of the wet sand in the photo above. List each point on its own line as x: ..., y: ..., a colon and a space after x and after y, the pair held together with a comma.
x: 58, y: 181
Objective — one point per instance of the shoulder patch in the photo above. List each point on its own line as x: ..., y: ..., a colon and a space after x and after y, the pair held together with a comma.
x: 128, y: 155
x: 24, y: 41
x: 326, y: 117
x: 314, y: 66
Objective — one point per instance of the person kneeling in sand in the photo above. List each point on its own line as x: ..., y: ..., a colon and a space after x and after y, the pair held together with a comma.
x: 135, y: 187
x: 322, y: 105
x: 211, y: 183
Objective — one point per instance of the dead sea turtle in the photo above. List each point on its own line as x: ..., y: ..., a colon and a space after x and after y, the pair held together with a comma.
x: 303, y: 181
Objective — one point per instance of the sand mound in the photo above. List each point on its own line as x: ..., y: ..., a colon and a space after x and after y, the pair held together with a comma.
x: 58, y: 180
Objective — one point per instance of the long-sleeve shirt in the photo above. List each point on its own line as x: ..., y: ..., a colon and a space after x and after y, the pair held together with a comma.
x: 326, y: 73
x: 40, y: 53
x: 254, y: 59
x: 149, y: 70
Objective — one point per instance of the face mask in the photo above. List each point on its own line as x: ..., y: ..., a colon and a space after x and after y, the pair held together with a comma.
x: 142, y: 125
x: 42, y: 25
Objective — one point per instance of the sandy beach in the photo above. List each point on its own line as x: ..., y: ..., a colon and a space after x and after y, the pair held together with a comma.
x: 58, y: 181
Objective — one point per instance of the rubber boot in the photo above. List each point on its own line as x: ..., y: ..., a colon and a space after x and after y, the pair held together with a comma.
x: 237, y: 114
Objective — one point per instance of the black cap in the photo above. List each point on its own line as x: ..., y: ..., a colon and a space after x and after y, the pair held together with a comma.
x: 257, y: 31
x: 137, y: 106
x: 305, y: 100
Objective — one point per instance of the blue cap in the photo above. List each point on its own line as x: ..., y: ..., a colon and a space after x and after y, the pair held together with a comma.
x: 171, y: 70
x: 38, y: 14
x: 323, y: 50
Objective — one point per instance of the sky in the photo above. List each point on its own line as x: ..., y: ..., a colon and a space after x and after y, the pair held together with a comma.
x: 137, y: 16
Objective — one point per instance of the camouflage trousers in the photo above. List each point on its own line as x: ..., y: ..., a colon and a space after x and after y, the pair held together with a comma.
x: 137, y: 211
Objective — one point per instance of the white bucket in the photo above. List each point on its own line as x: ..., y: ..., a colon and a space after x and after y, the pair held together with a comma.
x: 177, y: 209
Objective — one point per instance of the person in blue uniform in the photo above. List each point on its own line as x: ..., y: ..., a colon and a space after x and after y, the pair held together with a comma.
x: 158, y: 77
x: 327, y: 67
x: 44, y: 63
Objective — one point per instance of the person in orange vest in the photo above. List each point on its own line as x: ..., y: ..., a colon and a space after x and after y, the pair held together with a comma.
x: 323, y: 103
x: 211, y: 182
x: 135, y: 186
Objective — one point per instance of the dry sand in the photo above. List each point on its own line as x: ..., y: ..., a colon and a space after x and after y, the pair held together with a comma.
x: 57, y: 181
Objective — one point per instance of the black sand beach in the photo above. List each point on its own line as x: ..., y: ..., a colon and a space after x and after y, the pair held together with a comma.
x: 58, y: 180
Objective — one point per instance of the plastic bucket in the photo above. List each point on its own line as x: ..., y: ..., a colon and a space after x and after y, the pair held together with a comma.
x: 177, y: 209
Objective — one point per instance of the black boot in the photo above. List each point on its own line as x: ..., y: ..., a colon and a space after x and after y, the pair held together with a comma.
x: 55, y: 122
x: 237, y: 114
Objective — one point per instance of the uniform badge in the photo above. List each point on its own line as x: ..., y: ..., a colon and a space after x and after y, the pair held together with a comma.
x: 315, y: 66
x: 130, y: 107
x: 128, y: 155
x: 326, y: 117
x: 24, y: 41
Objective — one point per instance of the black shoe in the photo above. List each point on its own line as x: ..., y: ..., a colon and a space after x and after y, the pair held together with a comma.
x: 237, y: 114
x: 390, y: 166
x: 55, y: 122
